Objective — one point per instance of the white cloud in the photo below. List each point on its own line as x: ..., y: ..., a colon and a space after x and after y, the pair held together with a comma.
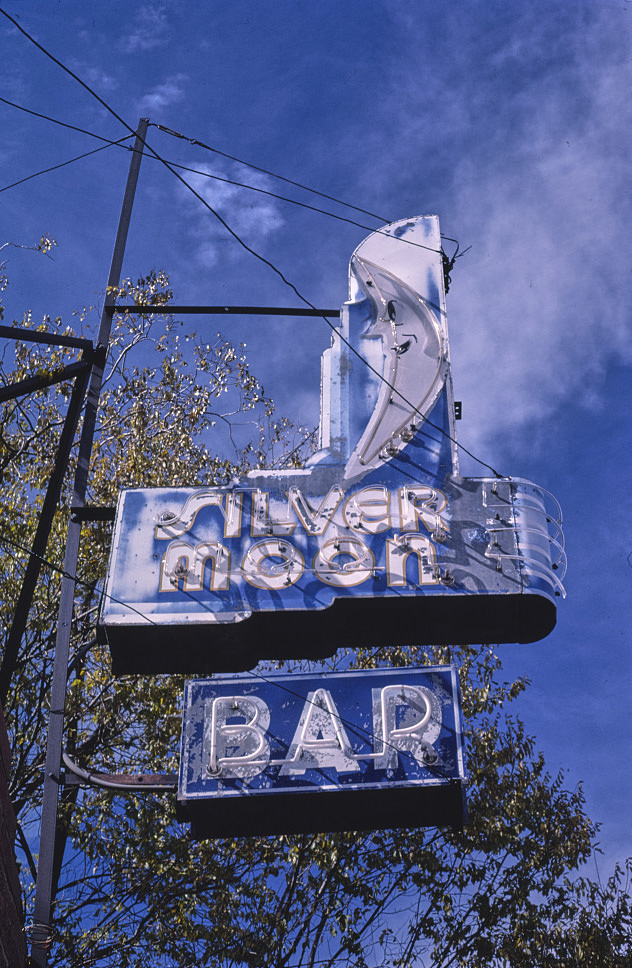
x: 94, y: 77
x: 169, y: 92
x: 254, y: 217
x: 541, y: 307
x: 149, y: 29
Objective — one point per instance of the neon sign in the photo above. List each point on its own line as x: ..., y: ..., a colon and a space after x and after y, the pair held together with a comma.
x: 292, y: 753
x: 377, y: 539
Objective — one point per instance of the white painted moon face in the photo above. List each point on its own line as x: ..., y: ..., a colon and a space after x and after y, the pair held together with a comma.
x: 390, y: 268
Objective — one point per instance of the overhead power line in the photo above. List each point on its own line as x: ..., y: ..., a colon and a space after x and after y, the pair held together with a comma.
x: 230, y: 181
x: 306, y: 188
x: 244, y: 244
x: 369, y: 734
x: 221, y: 178
x: 63, y: 124
x: 264, y: 171
x: 281, y: 198
x: 320, y: 211
x: 5, y: 539
x: 63, y: 164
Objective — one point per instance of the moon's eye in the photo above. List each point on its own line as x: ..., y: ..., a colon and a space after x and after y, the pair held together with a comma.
x: 391, y: 309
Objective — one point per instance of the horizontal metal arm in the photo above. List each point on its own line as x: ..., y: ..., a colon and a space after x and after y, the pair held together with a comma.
x: 169, y: 310
x: 33, y: 383
x: 93, y: 512
x: 55, y: 339
x: 123, y: 782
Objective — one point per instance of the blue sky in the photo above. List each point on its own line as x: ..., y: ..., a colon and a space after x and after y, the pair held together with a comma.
x: 510, y: 121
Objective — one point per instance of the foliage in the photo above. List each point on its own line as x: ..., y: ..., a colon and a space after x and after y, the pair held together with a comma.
x: 133, y: 889
x: 45, y: 245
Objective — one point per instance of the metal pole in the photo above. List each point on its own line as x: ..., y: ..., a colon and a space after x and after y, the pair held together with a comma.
x: 31, y: 384
x: 53, y: 339
x: 45, y: 889
x: 42, y: 533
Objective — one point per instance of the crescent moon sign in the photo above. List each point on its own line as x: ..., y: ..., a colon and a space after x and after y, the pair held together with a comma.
x: 414, y: 343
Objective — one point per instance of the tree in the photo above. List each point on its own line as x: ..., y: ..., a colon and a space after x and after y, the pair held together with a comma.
x: 132, y: 888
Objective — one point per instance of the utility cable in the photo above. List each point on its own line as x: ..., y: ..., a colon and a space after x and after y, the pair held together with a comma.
x: 314, y: 191
x: 65, y: 574
x: 356, y: 727
x: 353, y: 726
x: 284, y: 198
x: 272, y: 174
x: 332, y: 326
x: 63, y: 124
x: 335, y: 330
x: 229, y: 181
x: 286, y: 457
x: 63, y: 164
x: 321, y: 211
x: 247, y: 164
x: 244, y: 245
x: 72, y: 74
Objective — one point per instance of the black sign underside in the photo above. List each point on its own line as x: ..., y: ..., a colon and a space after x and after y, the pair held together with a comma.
x: 441, y: 805
x: 448, y: 619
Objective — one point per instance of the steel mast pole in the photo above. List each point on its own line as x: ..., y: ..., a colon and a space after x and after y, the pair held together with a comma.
x: 41, y: 931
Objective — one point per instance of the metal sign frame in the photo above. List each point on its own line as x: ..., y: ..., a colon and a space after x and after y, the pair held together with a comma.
x: 301, y: 753
x: 520, y: 558
x: 378, y: 538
